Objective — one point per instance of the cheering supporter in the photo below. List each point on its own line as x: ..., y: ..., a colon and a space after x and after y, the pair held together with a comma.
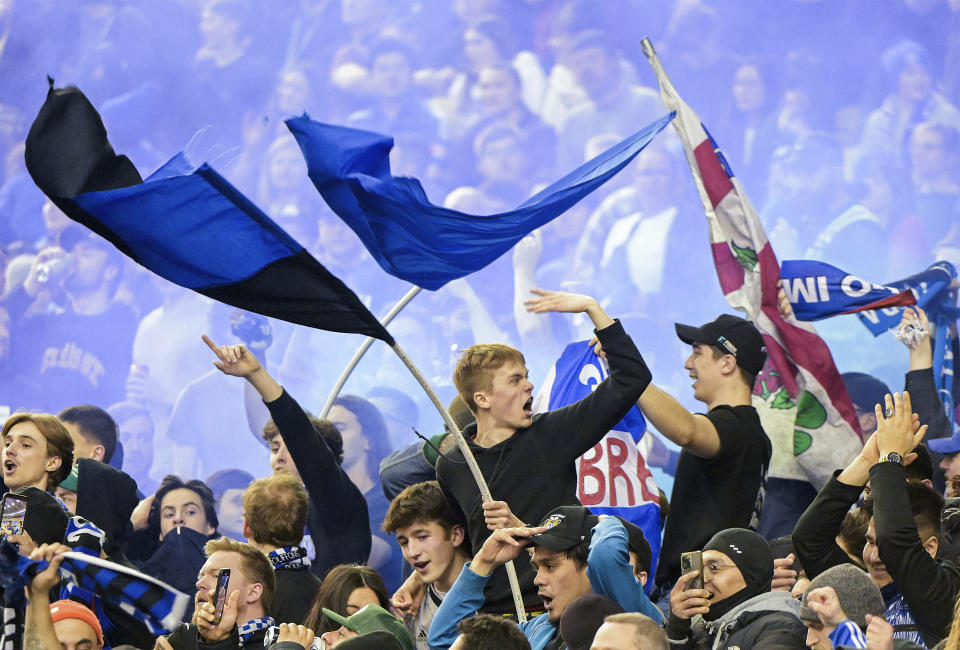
x: 492, y: 380
x: 918, y: 590
x: 337, y: 521
x: 274, y: 518
x: 251, y: 588
x: 37, y: 451
x: 837, y: 607
x: 64, y: 623
x: 735, y: 607
x: 567, y: 567
x: 432, y: 543
x: 722, y: 469
x: 346, y: 590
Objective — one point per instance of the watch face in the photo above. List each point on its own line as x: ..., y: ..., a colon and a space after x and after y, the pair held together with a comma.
x: 894, y: 457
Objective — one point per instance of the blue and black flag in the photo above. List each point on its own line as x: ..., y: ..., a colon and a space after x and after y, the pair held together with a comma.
x: 187, y: 225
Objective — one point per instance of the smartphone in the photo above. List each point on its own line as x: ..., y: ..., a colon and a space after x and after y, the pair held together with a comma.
x: 220, y: 595
x: 12, y: 513
x: 692, y: 561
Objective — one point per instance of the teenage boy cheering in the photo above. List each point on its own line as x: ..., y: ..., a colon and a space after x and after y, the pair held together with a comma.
x: 508, y: 441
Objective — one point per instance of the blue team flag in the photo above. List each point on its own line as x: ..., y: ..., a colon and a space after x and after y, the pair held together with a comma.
x: 612, y: 478
x: 188, y: 225
x: 410, y: 237
x: 817, y: 290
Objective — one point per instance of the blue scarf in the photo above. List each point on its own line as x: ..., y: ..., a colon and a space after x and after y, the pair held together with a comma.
x: 248, y: 629
x: 289, y: 557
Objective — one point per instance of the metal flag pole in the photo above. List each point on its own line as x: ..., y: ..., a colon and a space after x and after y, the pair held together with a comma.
x: 362, y: 350
x: 471, y: 463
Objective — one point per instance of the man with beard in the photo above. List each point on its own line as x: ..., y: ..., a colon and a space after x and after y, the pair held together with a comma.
x: 80, y: 355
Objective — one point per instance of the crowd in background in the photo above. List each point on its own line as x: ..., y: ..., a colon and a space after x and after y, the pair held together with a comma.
x: 840, y: 119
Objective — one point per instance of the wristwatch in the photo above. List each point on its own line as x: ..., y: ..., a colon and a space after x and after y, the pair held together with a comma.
x: 893, y: 457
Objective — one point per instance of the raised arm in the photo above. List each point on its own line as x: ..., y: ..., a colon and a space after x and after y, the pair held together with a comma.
x: 915, y: 332
x: 694, y: 432
x: 330, y: 489
x: 38, y: 633
x: 610, y: 572
x: 584, y: 423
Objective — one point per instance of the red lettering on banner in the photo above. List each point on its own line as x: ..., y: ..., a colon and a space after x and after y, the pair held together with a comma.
x: 617, y: 454
x: 588, y: 467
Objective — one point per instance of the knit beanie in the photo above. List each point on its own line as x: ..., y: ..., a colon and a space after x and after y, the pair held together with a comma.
x: 752, y: 556
x: 71, y: 609
x: 856, y: 591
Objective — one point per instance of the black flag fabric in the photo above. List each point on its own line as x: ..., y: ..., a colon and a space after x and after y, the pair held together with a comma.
x: 190, y: 226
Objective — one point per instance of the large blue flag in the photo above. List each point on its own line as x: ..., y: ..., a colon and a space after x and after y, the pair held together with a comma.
x: 410, y: 237
x: 612, y: 478
x: 817, y: 290
x: 187, y: 225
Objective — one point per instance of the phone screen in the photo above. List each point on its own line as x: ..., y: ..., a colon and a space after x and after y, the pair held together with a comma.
x: 220, y: 595
x: 14, y: 511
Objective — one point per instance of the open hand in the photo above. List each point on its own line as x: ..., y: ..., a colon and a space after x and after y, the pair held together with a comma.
x: 897, y: 428
x: 502, y: 546
x: 571, y: 303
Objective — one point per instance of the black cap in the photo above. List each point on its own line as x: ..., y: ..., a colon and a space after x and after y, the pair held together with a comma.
x: 567, y: 527
x: 637, y: 543
x: 732, y: 334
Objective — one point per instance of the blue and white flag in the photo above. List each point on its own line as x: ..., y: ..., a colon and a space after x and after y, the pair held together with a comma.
x: 817, y: 290
x: 612, y: 478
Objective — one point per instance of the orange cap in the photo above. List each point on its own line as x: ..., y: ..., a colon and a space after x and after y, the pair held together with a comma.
x: 72, y: 609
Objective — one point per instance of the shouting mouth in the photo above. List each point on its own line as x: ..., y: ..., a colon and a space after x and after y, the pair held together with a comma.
x: 528, y: 407
x: 421, y: 567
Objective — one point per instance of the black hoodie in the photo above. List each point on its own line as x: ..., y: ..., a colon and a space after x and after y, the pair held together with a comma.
x: 107, y: 497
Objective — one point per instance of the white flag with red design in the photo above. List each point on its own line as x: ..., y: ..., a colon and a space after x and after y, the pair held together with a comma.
x: 799, y: 394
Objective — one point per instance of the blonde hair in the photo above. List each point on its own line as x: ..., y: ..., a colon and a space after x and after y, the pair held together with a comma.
x: 475, y: 368
x: 256, y: 566
x: 275, y: 508
x: 59, y: 442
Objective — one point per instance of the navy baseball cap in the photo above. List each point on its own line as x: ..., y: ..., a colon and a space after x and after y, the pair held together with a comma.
x: 946, y: 446
x: 733, y: 334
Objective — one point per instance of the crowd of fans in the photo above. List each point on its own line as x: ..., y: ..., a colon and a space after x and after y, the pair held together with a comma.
x: 839, y: 118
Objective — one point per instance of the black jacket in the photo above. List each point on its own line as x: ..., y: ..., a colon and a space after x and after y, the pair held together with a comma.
x: 928, y: 586
x: 534, y: 471
x: 107, y: 497
x: 337, y: 520
x: 296, y: 589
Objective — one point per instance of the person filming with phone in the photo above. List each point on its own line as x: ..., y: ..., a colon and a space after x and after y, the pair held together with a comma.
x: 724, y: 600
x: 230, y: 612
